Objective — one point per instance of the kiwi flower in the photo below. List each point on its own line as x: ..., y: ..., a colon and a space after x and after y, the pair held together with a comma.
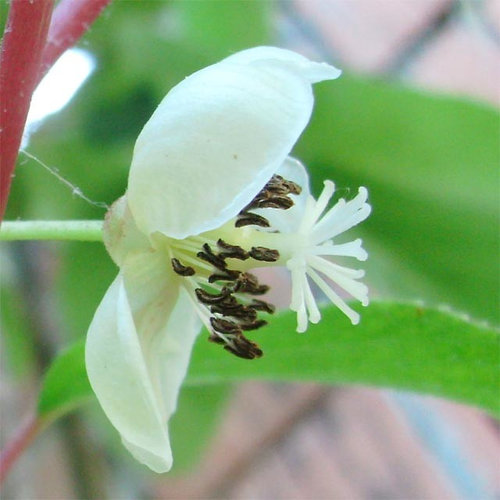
x: 212, y: 194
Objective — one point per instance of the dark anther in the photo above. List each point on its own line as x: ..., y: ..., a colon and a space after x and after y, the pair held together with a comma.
x: 248, y: 283
x: 208, y: 256
x: 229, y: 302
x: 260, y: 305
x: 244, y: 314
x: 208, y: 298
x: 279, y: 185
x: 225, y: 326
x: 231, y: 251
x: 282, y: 202
x: 248, y: 219
x: 228, y: 275
x: 273, y: 195
x: 264, y: 254
x: 240, y: 312
x: 180, y: 269
x: 245, y: 282
x: 259, y: 323
x: 243, y: 348
x: 216, y: 339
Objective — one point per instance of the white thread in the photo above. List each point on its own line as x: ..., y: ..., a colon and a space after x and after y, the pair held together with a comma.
x: 75, y: 190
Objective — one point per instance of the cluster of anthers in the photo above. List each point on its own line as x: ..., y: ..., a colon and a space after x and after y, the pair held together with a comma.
x: 226, y: 302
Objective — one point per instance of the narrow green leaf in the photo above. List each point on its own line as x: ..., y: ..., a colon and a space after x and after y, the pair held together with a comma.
x: 401, y: 346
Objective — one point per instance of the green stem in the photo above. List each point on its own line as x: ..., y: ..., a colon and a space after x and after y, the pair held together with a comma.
x: 81, y: 230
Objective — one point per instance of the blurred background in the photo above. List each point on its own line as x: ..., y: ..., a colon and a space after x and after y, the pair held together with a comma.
x: 260, y: 440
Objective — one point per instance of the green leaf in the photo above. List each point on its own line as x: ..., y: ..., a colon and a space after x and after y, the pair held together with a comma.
x: 222, y: 27
x: 431, y: 166
x: 65, y: 386
x: 401, y: 346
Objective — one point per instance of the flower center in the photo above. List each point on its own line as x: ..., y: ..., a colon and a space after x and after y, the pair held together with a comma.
x: 216, y: 267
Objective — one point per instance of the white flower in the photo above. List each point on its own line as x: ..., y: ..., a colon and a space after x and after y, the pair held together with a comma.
x: 212, y: 194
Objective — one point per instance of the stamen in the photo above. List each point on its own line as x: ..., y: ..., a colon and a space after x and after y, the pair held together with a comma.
x: 228, y: 303
x: 281, y: 202
x: 249, y: 219
x: 279, y: 185
x: 232, y: 251
x: 264, y: 254
x: 192, y: 259
x: 216, y: 339
x: 210, y: 257
x: 248, y: 283
x: 273, y: 195
x: 180, y: 269
x: 239, y: 312
x: 261, y: 305
x: 208, y: 298
x: 254, y: 325
x: 225, y: 326
x: 243, y: 348
x: 229, y: 275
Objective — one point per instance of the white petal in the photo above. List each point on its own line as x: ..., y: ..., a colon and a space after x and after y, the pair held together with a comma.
x: 119, y: 377
x: 120, y: 233
x: 136, y: 358
x: 313, y: 71
x: 215, y: 140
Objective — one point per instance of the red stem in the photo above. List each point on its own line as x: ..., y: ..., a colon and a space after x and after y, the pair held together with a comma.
x: 24, y: 436
x: 24, y: 40
x: 28, y: 51
x: 70, y: 21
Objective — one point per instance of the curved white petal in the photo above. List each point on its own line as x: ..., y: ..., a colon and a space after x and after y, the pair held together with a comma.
x: 137, y: 351
x: 313, y: 71
x: 120, y: 233
x: 216, y: 139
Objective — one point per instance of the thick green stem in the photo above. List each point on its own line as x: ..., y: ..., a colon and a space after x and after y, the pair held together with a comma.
x: 80, y: 230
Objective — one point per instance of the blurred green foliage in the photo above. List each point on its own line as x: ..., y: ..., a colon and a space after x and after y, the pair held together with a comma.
x: 430, y: 164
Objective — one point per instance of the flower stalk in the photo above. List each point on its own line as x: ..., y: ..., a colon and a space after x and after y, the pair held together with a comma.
x: 79, y: 230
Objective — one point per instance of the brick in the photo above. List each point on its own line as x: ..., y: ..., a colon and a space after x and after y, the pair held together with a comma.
x: 462, y: 60
x: 367, y: 35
